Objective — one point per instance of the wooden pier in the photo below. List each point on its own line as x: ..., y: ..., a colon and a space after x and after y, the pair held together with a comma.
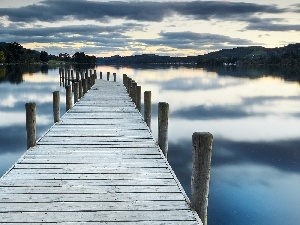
x: 98, y: 165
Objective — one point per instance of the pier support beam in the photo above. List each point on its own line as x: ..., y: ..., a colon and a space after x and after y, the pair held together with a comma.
x: 163, y: 117
x: 76, y: 92
x: 84, y: 86
x: 80, y: 89
x: 88, y: 83
x: 56, y: 102
x: 202, y: 150
x: 147, y: 108
x: 69, y: 103
x: 125, y: 80
x: 139, y: 98
x: 31, y: 124
x: 129, y: 84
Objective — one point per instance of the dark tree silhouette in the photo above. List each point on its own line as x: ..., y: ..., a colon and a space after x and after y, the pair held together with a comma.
x: 44, y: 57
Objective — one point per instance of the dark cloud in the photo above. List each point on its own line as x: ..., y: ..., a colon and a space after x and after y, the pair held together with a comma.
x: 193, y: 40
x: 273, y: 27
x: 222, y: 10
x: 72, y: 30
x: 296, y: 8
x: 91, y: 33
x: 56, y: 10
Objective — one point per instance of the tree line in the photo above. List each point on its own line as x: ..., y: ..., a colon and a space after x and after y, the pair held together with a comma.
x: 254, y: 55
x: 14, y: 53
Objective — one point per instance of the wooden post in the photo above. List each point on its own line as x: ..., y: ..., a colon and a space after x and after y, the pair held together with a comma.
x: 63, y: 77
x: 60, y: 77
x: 56, y: 102
x: 138, y: 98
x: 202, y: 151
x: 84, y: 86
x: 163, y: 117
x: 66, y: 78
x: 68, y: 97
x: 76, y: 92
x: 124, y: 80
x: 92, y: 80
x: 69, y: 78
x: 77, y: 75
x: 80, y: 89
x: 115, y: 77
x: 108, y: 75
x: 31, y: 124
x: 88, y: 83
x: 147, y: 108
x: 133, y: 91
x: 129, y: 80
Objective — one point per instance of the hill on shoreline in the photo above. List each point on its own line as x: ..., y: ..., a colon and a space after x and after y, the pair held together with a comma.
x: 287, y: 55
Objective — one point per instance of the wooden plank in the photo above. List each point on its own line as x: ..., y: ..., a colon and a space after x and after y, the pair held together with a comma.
x: 98, y: 216
x: 89, y: 206
x: 105, y: 182
x: 91, y: 148
x: 84, y: 189
x: 23, y: 174
x: 105, y: 169
x: 114, y: 223
x: 95, y: 139
x: 93, y: 197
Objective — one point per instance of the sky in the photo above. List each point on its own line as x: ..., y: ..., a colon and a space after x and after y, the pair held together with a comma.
x: 175, y: 28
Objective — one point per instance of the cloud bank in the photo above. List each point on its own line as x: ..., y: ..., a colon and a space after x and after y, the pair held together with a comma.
x: 114, y: 24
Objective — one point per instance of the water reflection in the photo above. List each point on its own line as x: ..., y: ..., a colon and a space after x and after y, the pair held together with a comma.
x: 253, y: 116
x: 21, y: 84
x: 255, y: 123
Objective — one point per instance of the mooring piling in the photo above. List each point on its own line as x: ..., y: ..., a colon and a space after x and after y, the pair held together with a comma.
x: 56, y: 102
x: 163, y: 120
x: 69, y: 102
x: 201, y: 162
x: 147, y: 108
x: 138, y: 98
x: 80, y: 89
x: 31, y: 124
x: 76, y: 92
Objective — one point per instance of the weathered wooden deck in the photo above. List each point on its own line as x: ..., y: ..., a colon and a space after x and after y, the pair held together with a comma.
x: 98, y: 165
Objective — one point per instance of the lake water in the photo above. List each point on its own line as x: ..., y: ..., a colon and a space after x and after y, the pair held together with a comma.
x: 254, y: 116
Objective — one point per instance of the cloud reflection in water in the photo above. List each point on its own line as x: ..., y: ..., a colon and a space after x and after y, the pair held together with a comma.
x: 255, y: 123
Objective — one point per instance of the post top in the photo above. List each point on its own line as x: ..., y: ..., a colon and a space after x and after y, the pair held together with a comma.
x: 202, y: 134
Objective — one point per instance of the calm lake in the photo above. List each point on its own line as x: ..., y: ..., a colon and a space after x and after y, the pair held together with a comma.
x: 253, y: 114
